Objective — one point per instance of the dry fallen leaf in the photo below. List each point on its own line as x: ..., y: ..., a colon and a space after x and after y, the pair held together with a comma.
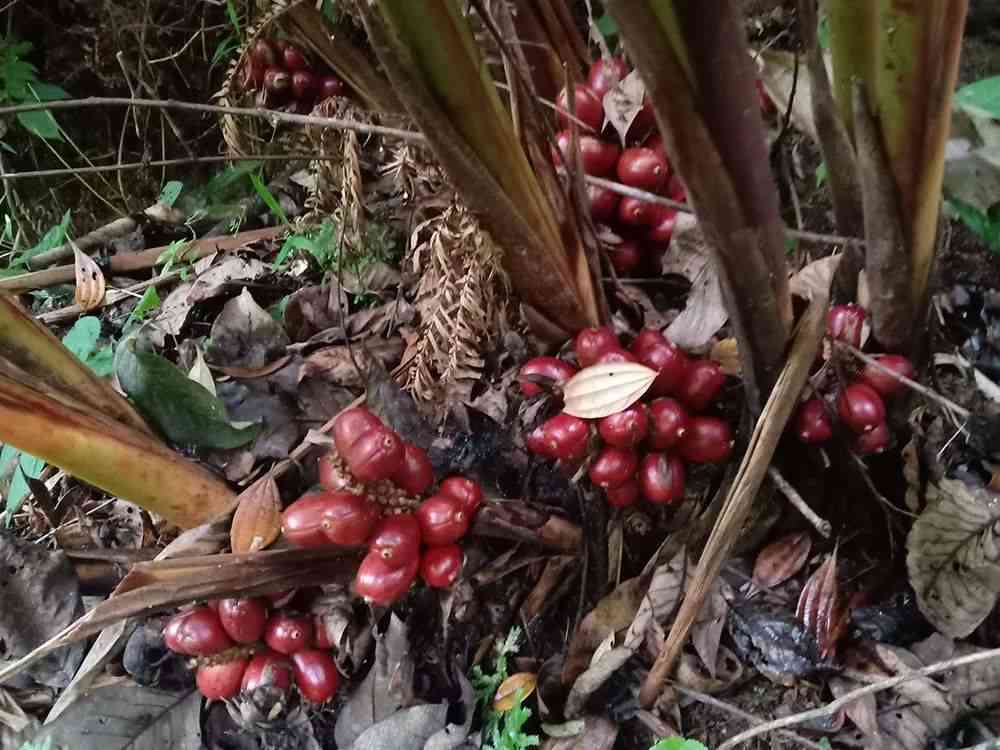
x: 257, y: 522
x: 90, y: 286
x: 600, y: 390
x: 782, y: 559
x: 623, y: 102
x: 507, y: 694
x: 819, y: 605
x: 704, y: 312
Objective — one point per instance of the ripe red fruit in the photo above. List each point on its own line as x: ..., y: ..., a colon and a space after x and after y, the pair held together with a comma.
x: 589, y: 109
x: 293, y: 58
x: 668, y: 422
x: 613, y: 466
x: 331, y: 85
x: 415, y: 473
x: 708, y: 440
x: 264, y: 54
x: 676, y: 190
x: 267, y: 669
x: 655, y: 351
x: 633, y: 212
x: 547, y: 367
x: 605, y: 73
x: 396, y: 539
x: 315, y: 675
x: 302, y: 522
x: 701, y: 384
x: 442, y: 519
x: 380, y: 584
x: 844, y: 323
x: 196, y: 632
x: 875, y: 440
x: 661, y: 228
x: 253, y: 74
x: 468, y: 493
x: 661, y: 478
x: 348, y: 519
x: 882, y: 381
x: 655, y: 142
x: 625, y: 257
x: 277, y: 81
x: 287, y: 634
x: 603, y: 203
x: 591, y: 343
x: 350, y: 426
x: 860, y: 407
x: 626, y: 429
x: 378, y: 454
x: 644, y: 120
x: 643, y: 168
x: 243, y: 619
x: 812, y: 423
x: 440, y: 566
x: 615, y: 356
x: 303, y: 84
x: 218, y: 681
x: 623, y: 495
x: 598, y: 157
x: 562, y: 438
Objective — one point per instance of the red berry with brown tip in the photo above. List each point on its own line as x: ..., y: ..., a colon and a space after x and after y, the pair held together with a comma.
x: 351, y: 426
x: 561, y: 438
x: 603, y: 203
x: 597, y: 157
x: 468, y: 493
x: 380, y: 584
x: 378, y: 454
x: 552, y: 368
x: 874, y: 441
x: 701, y: 384
x: 668, y: 422
x: 613, y: 466
x: 442, y: 519
x: 661, y: 478
x: 331, y: 85
x: 642, y: 168
x: 625, y: 257
x: 287, y: 634
x: 661, y: 228
x: 883, y: 381
x: 277, y: 81
x: 860, y: 407
x: 396, y: 539
x: 415, y: 473
x: 219, y: 681
x: 626, y: 429
x: 589, y: 108
x: 707, y: 440
x: 196, y: 632
x: 244, y: 620
x: 304, y: 85
x: 316, y: 675
x: 293, y: 58
x: 812, y: 423
x: 615, y: 357
x: 844, y: 323
x: 635, y: 213
x: 605, y: 74
x: 658, y: 353
x: 268, y: 669
x: 591, y: 343
x: 623, y: 495
x: 440, y: 566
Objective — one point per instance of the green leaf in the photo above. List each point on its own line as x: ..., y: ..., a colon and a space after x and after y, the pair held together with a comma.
x: 268, y: 197
x: 40, y: 123
x: 984, y: 225
x: 678, y: 743
x: 23, y: 465
x: 183, y: 410
x: 821, y: 174
x: 170, y: 192
x: 234, y: 18
x: 47, y: 92
x: 149, y: 301
x: 330, y: 11
x: 53, y: 238
x: 981, y: 98
x: 82, y: 340
x: 607, y: 26
x: 226, y: 47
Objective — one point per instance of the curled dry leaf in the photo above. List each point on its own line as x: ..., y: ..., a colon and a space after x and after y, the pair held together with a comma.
x: 600, y: 390
x: 819, y: 605
x: 623, y: 102
x: 814, y: 278
x: 705, y: 310
x: 782, y: 559
x: 90, y: 285
x: 257, y: 522
x: 522, y: 683
x: 953, y: 557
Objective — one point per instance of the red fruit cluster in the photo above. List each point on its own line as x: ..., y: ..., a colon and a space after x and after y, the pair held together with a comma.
x: 401, y: 544
x: 284, y: 74
x: 239, y: 645
x: 859, y: 405
x: 643, y: 450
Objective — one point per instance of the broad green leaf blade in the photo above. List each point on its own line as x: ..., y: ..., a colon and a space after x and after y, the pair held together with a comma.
x: 170, y: 192
x: 82, y: 339
x: 183, y: 410
x: 40, y: 123
x: 21, y: 465
x: 981, y: 98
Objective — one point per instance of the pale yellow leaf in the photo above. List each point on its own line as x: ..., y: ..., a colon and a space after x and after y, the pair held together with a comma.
x: 600, y: 390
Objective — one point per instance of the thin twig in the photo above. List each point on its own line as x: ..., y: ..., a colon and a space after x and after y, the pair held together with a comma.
x: 792, y: 495
x: 853, y: 695
x: 708, y: 700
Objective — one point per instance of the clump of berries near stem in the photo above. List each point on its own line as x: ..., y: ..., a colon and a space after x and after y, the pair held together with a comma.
x: 860, y: 403
x: 643, y: 450
x: 373, y: 471
x: 285, y: 76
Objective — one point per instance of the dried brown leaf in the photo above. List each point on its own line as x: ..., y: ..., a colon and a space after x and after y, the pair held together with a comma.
x: 507, y: 694
x: 863, y: 711
x: 782, y: 559
x: 815, y: 278
x: 596, y: 733
x: 600, y: 390
x: 819, y: 604
x: 90, y: 286
x: 623, y: 102
x: 257, y: 522
x: 707, y: 629
x: 705, y: 311
x: 725, y: 672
